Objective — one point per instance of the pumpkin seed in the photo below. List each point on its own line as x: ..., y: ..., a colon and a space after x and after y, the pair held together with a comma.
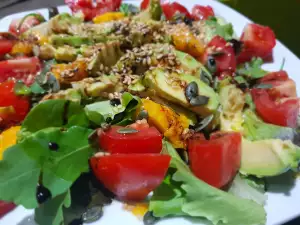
x: 92, y: 214
x: 199, y: 100
x: 143, y: 115
x: 204, y: 123
x: 204, y: 77
x: 150, y: 219
x: 211, y: 64
x: 191, y: 90
x: 127, y: 130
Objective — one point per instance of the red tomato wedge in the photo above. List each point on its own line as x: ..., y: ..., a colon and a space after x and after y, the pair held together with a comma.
x: 215, y: 161
x: 22, y: 68
x: 91, y: 8
x: 19, y: 26
x: 282, y: 85
x: 283, y: 112
x: 170, y: 9
x: 7, y: 41
x: 131, y: 177
x: 258, y: 41
x: 5, y: 208
x: 225, y: 61
x: 144, y: 4
x: 147, y: 140
x: 200, y: 12
x: 13, y: 108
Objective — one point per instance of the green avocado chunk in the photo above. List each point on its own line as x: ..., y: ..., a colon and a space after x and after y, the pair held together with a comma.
x: 169, y: 86
x: 268, y: 157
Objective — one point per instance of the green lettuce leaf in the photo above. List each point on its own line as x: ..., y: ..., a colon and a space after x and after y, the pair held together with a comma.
x: 198, y: 199
x: 255, y: 129
x: 59, y: 168
x: 216, y: 26
x: 102, y: 112
x: 248, y: 188
x: 252, y: 69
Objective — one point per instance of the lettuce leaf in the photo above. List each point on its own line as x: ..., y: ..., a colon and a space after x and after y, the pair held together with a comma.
x: 193, y: 197
x: 255, y: 129
x: 245, y: 187
x: 102, y: 112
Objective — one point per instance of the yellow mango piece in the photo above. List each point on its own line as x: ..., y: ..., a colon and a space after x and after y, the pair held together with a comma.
x: 139, y: 209
x: 22, y: 48
x: 8, y: 138
x: 109, y: 16
x: 167, y: 121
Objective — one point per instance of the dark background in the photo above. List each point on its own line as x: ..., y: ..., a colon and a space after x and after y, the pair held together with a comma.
x: 282, y: 16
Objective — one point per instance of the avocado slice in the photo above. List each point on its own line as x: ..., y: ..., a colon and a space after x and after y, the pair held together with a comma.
x: 189, y: 63
x: 268, y: 157
x: 160, y: 83
x: 153, y: 11
x: 75, y: 41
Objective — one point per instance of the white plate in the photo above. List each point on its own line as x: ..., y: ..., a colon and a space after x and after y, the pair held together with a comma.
x: 284, y: 191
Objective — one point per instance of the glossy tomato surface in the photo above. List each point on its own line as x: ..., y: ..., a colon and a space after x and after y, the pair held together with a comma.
x: 282, y: 112
x: 219, y: 56
x: 131, y: 176
x: 6, y: 207
x: 215, y: 161
x: 258, y: 41
x: 91, y: 8
x: 200, y: 12
x: 281, y: 85
x: 147, y: 140
x: 24, y: 69
x: 171, y: 9
x: 13, y: 108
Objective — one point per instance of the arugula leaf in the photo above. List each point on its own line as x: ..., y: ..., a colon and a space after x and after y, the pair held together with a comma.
x: 59, y: 168
x: 201, y: 200
x: 51, y: 212
x: 252, y: 69
x: 54, y: 113
x: 14, y: 175
x: 129, y: 9
x: 214, y: 28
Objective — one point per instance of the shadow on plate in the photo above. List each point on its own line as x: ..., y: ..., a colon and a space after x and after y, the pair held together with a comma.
x: 283, y: 183
x: 28, y: 220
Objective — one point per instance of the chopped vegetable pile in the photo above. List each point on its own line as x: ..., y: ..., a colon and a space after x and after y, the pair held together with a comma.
x: 115, y: 102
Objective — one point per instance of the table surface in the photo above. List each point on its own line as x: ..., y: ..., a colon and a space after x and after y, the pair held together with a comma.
x: 282, y: 18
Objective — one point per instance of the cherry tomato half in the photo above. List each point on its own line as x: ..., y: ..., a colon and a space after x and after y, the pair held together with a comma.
x: 219, y: 56
x: 283, y: 112
x: 147, y: 140
x: 258, y: 41
x: 282, y: 85
x: 22, y: 68
x: 5, y: 208
x: 200, y: 12
x: 91, y: 9
x: 13, y: 108
x: 131, y: 177
x: 215, y: 161
x: 170, y: 9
